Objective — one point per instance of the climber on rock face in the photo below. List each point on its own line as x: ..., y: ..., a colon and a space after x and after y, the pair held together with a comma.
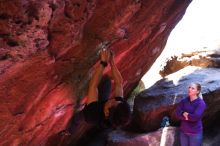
x: 101, y: 109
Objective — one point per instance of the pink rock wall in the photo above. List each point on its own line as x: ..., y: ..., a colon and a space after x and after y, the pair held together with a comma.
x: 47, y: 50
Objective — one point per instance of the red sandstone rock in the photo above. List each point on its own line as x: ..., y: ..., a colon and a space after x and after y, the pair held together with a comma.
x: 47, y: 49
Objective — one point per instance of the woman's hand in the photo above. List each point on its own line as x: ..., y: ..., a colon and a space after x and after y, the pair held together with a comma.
x: 105, y: 55
x: 185, y: 114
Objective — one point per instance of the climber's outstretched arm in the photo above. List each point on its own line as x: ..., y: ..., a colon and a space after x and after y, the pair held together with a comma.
x: 96, y: 77
x: 118, y: 80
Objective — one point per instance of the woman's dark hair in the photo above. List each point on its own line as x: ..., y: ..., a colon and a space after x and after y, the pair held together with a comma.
x: 120, y: 115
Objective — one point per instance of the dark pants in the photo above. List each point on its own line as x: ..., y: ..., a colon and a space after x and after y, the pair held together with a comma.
x: 190, y: 139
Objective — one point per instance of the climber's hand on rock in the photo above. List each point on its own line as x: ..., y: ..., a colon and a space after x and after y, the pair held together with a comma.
x: 105, y: 55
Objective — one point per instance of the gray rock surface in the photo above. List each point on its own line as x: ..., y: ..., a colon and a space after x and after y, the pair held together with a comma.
x: 153, y: 104
x: 168, y: 136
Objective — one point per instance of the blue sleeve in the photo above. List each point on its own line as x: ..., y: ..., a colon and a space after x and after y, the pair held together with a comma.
x: 197, y: 114
x: 179, y: 111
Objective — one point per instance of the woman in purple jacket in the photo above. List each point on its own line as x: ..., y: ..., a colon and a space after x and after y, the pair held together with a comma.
x: 190, y: 111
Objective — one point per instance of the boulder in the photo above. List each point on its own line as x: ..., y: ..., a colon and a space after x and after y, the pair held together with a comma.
x: 151, y: 105
x: 205, y: 59
x: 212, y: 138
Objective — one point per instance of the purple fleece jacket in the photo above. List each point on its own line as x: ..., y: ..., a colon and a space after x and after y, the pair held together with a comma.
x: 195, y: 109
